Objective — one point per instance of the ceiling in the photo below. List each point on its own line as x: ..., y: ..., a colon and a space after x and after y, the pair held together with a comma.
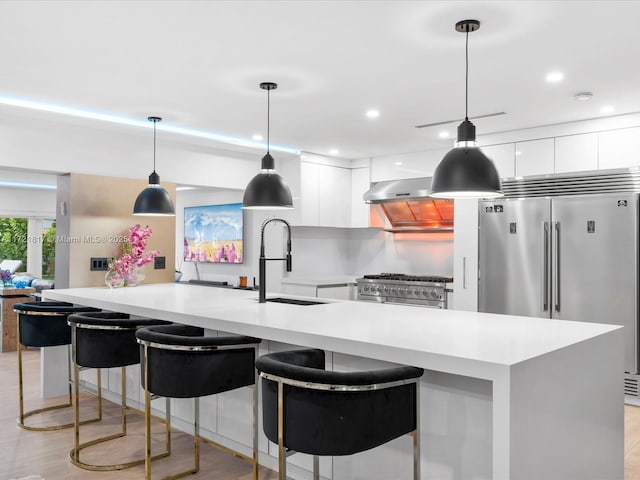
x: 198, y: 64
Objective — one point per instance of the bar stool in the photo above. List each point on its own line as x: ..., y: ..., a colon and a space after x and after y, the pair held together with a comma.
x: 44, y: 324
x: 310, y: 410
x: 179, y: 361
x: 106, y: 340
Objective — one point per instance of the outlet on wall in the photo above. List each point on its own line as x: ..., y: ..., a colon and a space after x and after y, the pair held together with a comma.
x: 159, y: 263
x: 99, y: 263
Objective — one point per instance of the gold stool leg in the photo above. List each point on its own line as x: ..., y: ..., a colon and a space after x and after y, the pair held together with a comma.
x: 23, y: 415
x: 282, y: 457
x: 255, y: 421
x: 74, y: 453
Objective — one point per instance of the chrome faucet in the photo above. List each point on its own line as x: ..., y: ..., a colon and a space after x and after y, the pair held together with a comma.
x: 263, y: 261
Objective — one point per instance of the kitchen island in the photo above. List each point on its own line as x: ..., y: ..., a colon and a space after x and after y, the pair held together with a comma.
x: 503, y: 397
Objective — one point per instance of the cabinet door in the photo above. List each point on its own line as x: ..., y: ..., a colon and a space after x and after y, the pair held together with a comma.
x: 465, y: 255
x: 618, y: 148
x: 359, y: 185
x: 503, y: 157
x: 309, y: 193
x: 334, y: 196
x: 535, y: 157
x: 577, y: 153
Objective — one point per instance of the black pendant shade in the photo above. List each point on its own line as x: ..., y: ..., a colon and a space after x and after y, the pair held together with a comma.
x: 154, y: 200
x: 465, y: 171
x: 267, y: 190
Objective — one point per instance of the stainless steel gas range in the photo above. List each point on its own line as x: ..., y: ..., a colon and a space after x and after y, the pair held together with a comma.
x: 424, y: 290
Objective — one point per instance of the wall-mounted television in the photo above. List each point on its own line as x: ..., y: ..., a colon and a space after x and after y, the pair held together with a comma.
x: 214, y: 234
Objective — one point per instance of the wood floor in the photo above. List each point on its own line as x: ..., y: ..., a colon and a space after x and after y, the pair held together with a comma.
x: 45, y: 454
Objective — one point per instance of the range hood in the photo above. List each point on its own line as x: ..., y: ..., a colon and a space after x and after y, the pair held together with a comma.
x: 407, y: 205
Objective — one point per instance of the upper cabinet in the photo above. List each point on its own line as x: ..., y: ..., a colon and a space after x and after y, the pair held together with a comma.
x: 577, y: 153
x: 359, y: 185
x: 325, y: 195
x: 503, y: 157
x: 535, y: 157
x: 618, y: 148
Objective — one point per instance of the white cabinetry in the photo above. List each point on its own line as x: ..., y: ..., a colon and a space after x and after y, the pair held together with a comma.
x: 576, y: 153
x: 618, y: 148
x: 503, y: 157
x: 465, y: 255
x: 535, y: 157
x: 359, y: 185
x: 325, y: 194
x: 309, y: 194
x: 330, y: 288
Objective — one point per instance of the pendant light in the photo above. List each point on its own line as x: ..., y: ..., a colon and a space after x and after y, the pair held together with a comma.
x: 465, y: 171
x: 154, y: 200
x: 267, y: 190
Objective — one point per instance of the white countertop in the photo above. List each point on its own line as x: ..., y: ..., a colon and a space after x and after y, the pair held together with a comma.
x: 468, y: 343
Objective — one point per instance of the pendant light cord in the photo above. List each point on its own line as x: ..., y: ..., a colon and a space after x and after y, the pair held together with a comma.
x: 466, y: 77
x: 154, y: 144
x: 268, y: 112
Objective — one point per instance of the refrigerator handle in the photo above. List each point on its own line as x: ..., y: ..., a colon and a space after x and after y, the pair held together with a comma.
x: 545, y: 267
x: 464, y: 272
x: 557, y: 275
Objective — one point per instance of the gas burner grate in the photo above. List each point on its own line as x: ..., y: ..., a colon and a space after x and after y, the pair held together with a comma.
x: 409, y: 278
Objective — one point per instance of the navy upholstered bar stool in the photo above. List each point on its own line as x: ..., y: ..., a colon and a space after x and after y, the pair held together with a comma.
x: 44, y: 324
x: 179, y: 361
x: 310, y: 410
x: 106, y: 340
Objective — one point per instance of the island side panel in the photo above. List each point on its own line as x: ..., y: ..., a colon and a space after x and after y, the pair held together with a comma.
x: 567, y: 413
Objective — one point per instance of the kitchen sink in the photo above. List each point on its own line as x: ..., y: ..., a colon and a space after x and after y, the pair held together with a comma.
x: 294, y: 301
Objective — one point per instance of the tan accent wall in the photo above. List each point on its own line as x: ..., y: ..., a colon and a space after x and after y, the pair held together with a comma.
x: 93, y: 214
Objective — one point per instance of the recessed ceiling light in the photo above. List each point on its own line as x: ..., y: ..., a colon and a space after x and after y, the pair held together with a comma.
x: 555, y: 77
x: 373, y: 113
x: 334, y: 151
x: 398, y: 163
x: 583, y: 96
x: 257, y: 137
x: 607, y: 109
x: 443, y: 134
x: 518, y: 152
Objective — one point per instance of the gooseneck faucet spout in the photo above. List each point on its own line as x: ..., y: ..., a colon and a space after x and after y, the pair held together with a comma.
x: 262, y: 296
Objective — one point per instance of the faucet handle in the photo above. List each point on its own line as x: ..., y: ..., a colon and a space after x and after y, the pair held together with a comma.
x: 288, y: 260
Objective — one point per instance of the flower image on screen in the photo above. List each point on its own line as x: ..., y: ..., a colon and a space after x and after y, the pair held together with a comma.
x: 213, y: 233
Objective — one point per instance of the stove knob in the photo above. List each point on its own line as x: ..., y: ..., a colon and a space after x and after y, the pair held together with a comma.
x: 393, y: 290
x: 416, y: 292
x: 401, y: 291
x: 386, y: 289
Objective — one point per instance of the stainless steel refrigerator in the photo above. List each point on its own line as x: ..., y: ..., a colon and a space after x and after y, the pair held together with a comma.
x: 570, y: 258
